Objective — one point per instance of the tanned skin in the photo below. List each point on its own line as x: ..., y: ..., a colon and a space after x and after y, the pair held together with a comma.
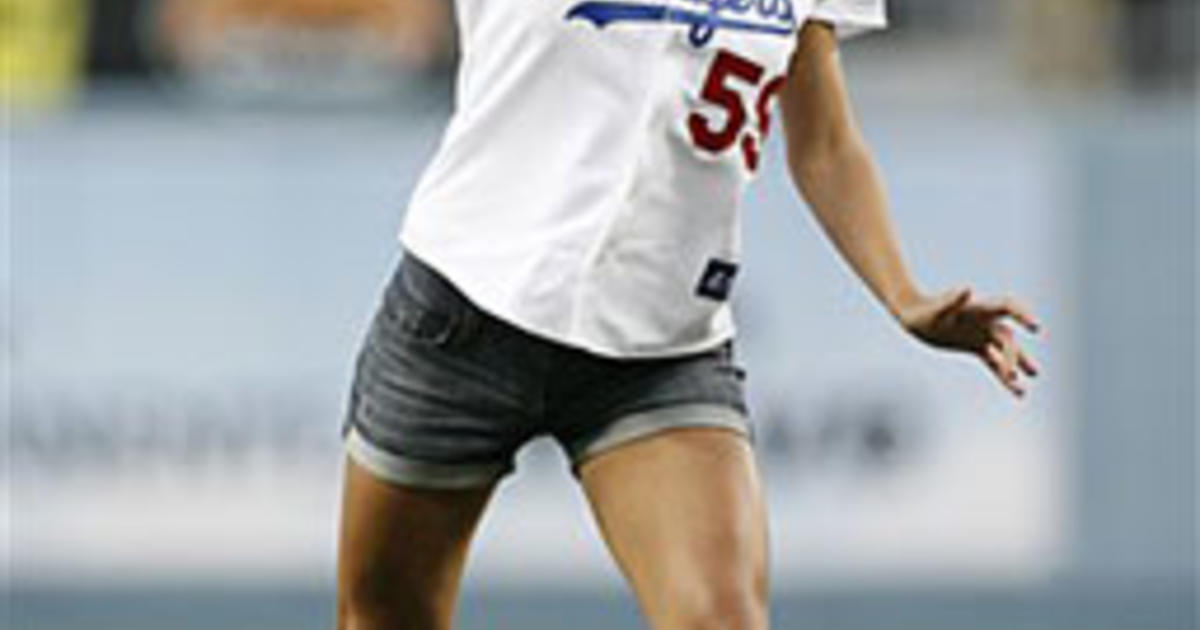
x: 834, y: 170
x: 682, y: 511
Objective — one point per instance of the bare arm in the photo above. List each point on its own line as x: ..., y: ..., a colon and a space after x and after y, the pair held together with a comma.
x: 835, y: 172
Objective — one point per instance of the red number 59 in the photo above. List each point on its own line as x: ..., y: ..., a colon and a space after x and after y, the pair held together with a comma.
x: 727, y: 66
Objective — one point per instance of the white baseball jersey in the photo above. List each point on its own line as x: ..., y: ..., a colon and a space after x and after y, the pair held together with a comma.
x: 588, y: 186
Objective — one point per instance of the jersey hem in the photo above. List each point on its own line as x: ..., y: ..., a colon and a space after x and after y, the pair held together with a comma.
x: 478, y: 298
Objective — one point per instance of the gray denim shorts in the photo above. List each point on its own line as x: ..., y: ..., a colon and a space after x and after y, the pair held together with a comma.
x: 444, y: 394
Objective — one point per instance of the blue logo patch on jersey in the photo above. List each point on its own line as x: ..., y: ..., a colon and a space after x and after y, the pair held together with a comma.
x: 717, y: 280
x: 776, y: 17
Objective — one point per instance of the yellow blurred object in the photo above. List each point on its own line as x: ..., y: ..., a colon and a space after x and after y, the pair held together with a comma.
x: 41, y: 50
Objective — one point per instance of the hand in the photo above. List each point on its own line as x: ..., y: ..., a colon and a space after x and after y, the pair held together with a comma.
x: 957, y: 320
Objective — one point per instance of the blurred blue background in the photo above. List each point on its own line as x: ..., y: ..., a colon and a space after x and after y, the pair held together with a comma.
x: 201, y: 202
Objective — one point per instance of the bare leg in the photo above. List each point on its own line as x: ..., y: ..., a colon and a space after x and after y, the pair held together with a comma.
x: 683, y: 515
x: 401, y: 553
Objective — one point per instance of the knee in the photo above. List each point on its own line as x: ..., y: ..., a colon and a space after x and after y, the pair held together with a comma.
x: 719, y: 607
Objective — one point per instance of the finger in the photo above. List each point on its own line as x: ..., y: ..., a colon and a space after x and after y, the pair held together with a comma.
x: 1004, y: 337
x: 1013, y: 353
x: 995, y: 359
x: 1006, y: 359
x: 1002, y: 367
x: 1022, y: 315
x: 1010, y: 307
x: 1027, y: 364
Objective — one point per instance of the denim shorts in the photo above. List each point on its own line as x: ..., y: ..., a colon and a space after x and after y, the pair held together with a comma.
x: 444, y: 394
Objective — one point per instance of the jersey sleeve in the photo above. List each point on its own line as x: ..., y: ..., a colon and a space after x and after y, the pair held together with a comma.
x: 852, y: 17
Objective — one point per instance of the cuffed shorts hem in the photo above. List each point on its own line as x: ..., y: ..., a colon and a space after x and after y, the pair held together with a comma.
x: 413, y: 473
x: 643, y: 424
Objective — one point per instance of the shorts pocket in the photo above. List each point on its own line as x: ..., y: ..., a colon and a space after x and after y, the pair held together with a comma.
x: 420, y: 308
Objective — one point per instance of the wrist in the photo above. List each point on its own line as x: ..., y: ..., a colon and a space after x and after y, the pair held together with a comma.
x: 900, y: 301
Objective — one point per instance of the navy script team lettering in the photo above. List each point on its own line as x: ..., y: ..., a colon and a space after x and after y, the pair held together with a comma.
x: 775, y: 17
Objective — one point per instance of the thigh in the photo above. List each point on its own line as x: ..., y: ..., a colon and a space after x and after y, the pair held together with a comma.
x: 401, y: 552
x: 682, y: 512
